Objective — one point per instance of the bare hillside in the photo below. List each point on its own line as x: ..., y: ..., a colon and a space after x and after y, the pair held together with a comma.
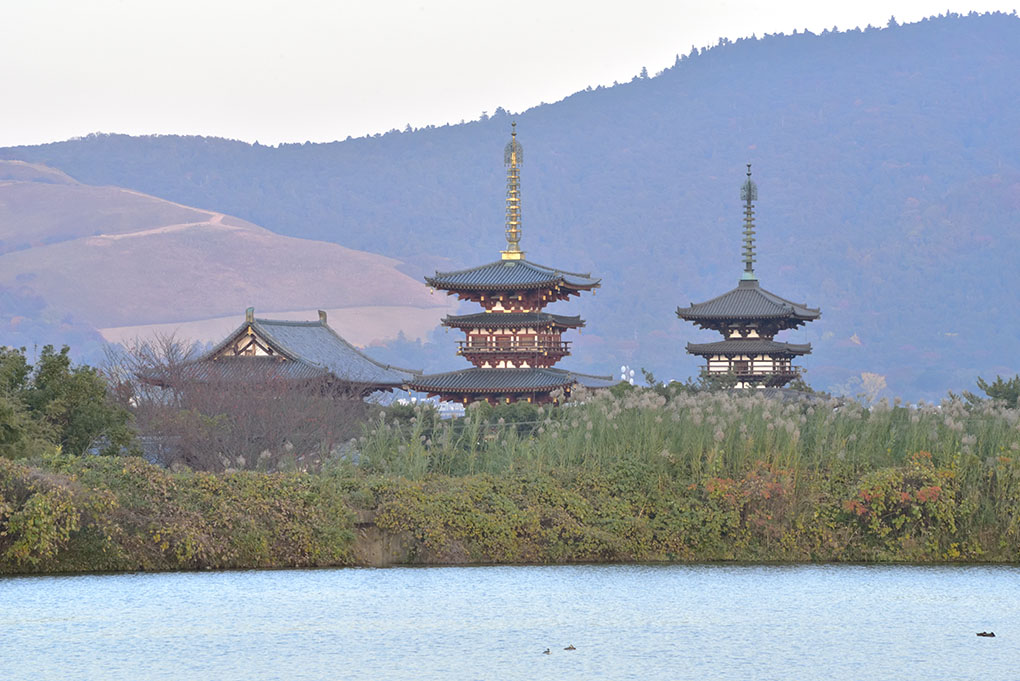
x: 124, y: 261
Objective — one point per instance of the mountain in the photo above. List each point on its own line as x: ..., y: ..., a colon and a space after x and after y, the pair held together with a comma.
x: 128, y: 264
x: 887, y: 161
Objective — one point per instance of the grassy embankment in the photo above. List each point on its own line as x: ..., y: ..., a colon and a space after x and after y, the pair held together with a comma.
x: 637, y: 477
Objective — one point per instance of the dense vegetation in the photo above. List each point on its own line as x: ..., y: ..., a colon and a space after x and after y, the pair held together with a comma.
x: 664, y: 473
x: 886, y: 159
x: 106, y: 513
x: 54, y: 405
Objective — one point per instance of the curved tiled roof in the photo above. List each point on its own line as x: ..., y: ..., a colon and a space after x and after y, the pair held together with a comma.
x: 251, y: 369
x: 748, y: 346
x: 748, y: 302
x: 511, y: 320
x: 314, y: 349
x: 510, y: 275
x: 475, y: 380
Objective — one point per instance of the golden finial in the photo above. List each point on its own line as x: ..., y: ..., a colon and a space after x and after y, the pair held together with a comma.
x: 513, y: 156
x: 749, y: 193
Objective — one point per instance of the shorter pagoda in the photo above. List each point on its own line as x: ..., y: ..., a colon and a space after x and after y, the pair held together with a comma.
x: 749, y: 317
x: 513, y: 344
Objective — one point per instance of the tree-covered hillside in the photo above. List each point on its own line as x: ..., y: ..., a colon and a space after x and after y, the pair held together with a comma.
x: 887, y: 160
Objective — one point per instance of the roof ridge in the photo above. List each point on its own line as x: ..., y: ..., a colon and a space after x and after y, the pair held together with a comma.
x: 289, y: 322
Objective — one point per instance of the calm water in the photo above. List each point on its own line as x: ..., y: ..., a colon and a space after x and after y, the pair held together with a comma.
x: 627, y: 622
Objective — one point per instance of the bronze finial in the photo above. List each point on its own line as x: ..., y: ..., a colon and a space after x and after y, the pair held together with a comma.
x: 513, y: 156
x: 749, y: 193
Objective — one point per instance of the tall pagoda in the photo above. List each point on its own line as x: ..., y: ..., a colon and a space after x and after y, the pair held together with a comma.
x: 749, y: 317
x: 512, y: 343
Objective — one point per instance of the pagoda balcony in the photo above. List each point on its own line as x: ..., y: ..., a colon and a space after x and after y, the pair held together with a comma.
x: 560, y: 348
x: 773, y: 378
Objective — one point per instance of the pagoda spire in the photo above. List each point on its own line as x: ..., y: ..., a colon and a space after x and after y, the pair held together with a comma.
x: 513, y: 156
x: 749, y: 194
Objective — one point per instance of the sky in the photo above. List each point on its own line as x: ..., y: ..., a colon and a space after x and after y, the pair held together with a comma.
x: 319, y: 70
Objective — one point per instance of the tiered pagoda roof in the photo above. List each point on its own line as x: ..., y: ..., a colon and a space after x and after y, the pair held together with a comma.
x: 513, y: 344
x: 749, y: 346
x: 482, y: 320
x: 748, y: 302
x: 511, y: 275
x: 498, y: 382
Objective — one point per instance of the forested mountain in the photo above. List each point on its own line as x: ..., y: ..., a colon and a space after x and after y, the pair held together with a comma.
x: 887, y: 160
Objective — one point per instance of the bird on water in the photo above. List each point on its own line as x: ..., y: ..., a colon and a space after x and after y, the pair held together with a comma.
x: 546, y: 652
x: 570, y: 647
x: 987, y: 634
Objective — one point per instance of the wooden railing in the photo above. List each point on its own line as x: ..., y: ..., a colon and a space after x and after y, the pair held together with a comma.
x: 776, y: 376
x: 546, y: 347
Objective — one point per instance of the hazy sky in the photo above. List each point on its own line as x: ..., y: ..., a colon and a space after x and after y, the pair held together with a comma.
x: 296, y: 70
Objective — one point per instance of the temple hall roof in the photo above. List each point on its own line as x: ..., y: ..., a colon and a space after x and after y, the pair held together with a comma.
x: 313, y: 349
x: 475, y: 380
x: 748, y: 302
x: 748, y: 346
x: 250, y: 369
x: 511, y: 320
x: 510, y: 275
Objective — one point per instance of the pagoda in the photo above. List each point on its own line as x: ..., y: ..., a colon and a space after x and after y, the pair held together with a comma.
x: 749, y: 317
x: 512, y: 343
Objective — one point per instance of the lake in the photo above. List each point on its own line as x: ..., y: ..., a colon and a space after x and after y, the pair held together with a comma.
x: 626, y: 622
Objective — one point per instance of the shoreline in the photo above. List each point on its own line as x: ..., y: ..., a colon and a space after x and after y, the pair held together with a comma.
x: 440, y: 566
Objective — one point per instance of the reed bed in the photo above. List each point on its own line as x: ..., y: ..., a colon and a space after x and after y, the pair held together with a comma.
x: 686, y: 437
x: 692, y: 434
